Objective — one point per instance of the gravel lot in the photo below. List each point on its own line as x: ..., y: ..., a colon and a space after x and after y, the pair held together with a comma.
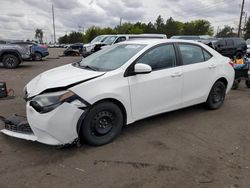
x: 192, y: 147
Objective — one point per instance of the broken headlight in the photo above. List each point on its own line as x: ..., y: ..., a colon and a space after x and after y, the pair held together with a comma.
x: 47, y: 102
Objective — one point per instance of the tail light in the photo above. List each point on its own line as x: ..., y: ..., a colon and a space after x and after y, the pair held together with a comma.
x: 44, y: 46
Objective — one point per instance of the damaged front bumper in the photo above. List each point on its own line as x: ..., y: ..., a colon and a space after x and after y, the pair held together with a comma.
x: 57, y: 127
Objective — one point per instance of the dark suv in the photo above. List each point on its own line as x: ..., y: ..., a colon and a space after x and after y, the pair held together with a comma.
x: 231, y: 47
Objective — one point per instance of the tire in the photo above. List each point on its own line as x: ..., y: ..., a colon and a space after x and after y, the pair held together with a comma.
x: 10, y: 61
x: 247, y: 83
x: 235, y: 85
x: 38, y: 56
x: 216, y: 96
x: 102, y: 124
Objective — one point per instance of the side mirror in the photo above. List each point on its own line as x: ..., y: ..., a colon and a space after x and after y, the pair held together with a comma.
x: 142, y: 68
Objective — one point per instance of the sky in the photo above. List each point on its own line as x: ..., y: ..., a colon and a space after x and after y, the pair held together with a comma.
x: 20, y: 18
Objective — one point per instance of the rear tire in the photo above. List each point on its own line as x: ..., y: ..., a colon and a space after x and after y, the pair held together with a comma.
x: 38, y: 56
x: 102, y: 124
x: 10, y: 61
x: 216, y: 96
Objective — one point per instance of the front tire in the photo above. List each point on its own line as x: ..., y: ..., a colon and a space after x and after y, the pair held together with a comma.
x: 102, y: 124
x: 216, y: 96
x: 10, y: 61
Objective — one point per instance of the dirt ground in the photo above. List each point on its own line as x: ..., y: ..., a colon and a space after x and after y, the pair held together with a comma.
x: 187, y: 148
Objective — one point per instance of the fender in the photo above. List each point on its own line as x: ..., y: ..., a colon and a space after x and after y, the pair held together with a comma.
x: 10, y: 51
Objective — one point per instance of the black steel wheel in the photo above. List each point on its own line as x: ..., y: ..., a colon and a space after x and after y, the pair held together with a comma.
x: 216, y: 96
x: 102, y: 124
x: 10, y: 61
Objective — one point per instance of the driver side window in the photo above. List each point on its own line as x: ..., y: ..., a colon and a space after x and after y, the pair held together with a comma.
x: 160, y: 57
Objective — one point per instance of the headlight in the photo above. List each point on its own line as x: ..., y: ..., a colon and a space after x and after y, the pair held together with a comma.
x: 47, y: 102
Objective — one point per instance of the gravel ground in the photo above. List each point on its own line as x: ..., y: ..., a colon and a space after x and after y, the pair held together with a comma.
x: 187, y: 148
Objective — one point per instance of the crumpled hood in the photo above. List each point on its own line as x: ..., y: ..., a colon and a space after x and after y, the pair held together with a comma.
x: 59, y: 77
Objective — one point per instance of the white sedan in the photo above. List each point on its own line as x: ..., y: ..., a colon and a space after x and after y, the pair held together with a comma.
x: 92, y: 99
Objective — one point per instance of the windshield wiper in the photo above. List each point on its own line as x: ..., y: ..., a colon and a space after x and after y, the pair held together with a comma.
x: 90, y: 68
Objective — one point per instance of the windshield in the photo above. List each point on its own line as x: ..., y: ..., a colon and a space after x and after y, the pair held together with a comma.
x: 111, y: 58
x: 248, y: 41
x: 110, y: 40
x: 98, y: 39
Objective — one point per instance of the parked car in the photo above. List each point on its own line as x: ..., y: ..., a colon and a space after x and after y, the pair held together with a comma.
x: 231, y: 47
x: 120, y: 38
x: 114, y: 39
x: 88, y: 48
x: 129, y: 81
x: 74, y: 50
x: 11, y: 55
x: 38, y: 51
x: 248, y: 47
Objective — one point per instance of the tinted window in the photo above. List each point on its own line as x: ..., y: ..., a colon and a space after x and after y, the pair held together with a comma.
x: 160, y: 57
x: 222, y: 43
x: 120, y: 39
x: 191, y: 54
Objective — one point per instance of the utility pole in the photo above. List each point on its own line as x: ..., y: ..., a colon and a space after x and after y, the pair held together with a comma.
x: 53, y: 16
x: 241, y: 14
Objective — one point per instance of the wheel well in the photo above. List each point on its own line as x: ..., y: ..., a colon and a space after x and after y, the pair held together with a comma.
x: 119, y: 104
x: 223, y: 80
x: 8, y: 53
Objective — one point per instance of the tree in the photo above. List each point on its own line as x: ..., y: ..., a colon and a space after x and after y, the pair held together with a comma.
x: 227, y: 31
x: 150, y: 28
x: 247, y: 30
x: 39, y: 35
x: 202, y: 27
x: 197, y: 27
x: 73, y: 37
x: 173, y: 27
x: 159, y: 25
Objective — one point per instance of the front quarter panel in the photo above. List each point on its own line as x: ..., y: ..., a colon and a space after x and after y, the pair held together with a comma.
x: 112, y: 85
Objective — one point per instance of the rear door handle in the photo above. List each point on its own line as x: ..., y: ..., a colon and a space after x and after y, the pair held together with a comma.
x: 212, y: 67
x: 176, y: 74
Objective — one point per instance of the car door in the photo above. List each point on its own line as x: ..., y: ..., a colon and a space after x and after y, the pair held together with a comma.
x: 198, y: 68
x: 160, y: 90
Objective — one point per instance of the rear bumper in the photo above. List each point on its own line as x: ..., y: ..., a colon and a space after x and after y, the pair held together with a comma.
x: 45, y: 54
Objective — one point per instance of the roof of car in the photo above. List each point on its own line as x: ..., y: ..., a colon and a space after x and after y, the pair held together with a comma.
x: 157, y: 41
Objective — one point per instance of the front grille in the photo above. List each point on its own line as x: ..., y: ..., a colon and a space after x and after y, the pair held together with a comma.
x: 21, y: 128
